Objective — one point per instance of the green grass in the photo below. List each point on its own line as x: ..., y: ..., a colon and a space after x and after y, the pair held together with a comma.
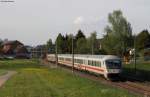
x: 140, y: 66
x: 142, y: 70
x: 19, y: 64
x: 2, y: 72
x: 33, y: 80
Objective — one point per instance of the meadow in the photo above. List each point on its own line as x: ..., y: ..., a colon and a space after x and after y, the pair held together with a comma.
x: 34, y: 80
x: 2, y: 72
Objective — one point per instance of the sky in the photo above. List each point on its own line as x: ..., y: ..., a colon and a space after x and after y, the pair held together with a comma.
x: 33, y: 22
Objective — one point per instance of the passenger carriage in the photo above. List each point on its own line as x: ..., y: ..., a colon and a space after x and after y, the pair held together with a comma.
x: 107, y: 65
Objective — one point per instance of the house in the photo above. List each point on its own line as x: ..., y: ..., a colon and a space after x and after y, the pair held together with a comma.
x: 15, y: 49
x: 29, y: 48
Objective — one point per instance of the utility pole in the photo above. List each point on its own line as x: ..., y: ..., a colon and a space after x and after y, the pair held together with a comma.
x: 72, y: 53
x: 41, y: 52
x: 92, y: 50
x: 36, y: 54
x: 135, y: 53
x: 92, y: 46
x: 56, y: 51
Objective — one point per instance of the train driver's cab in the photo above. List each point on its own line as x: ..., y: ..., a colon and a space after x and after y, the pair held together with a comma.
x: 113, y: 64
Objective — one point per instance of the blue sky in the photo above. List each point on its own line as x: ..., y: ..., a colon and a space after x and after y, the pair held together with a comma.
x: 35, y: 21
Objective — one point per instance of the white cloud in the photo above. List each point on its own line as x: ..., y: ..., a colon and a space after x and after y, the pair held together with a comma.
x: 79, y: 20
x: 90, y: 23
x: 86, y: 20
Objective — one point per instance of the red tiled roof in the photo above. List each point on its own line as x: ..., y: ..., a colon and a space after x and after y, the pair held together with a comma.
x: 11, y: 42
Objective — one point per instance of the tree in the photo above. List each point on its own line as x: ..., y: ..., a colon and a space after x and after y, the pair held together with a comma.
x: 68, y: 43
x: 93, y: 43
x: 142, y: 39
x: 1, y: 41
x: 80, y: 42
x: 50, y: 46
x: 118, y: 36
x: 60, y: 43
x: 81, y: 46
x: 49, y: 43
x: 79, y: 35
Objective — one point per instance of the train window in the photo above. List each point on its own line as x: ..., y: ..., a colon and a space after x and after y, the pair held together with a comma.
x: 60, y: 58
x: 68, y: 59
x: 89, y: 62
x: 79, y: 61
x: 93, y: 63
x: 113, y: 64
x: 98, y: 63
x: 75, y: 60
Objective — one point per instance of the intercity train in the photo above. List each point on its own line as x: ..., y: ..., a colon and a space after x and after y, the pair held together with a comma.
x: 107, y: 65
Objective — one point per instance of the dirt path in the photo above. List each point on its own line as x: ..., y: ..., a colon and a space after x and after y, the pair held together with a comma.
x: 5, y: 77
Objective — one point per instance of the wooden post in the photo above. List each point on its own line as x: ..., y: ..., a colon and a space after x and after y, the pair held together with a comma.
x: 56, y: 51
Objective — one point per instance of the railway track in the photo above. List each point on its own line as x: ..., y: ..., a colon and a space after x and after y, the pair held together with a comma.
x: 130, y: 86
x: 134, y: 88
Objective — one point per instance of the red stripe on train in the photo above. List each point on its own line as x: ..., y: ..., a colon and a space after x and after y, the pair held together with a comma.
x: 88, y: 67
x: 98, y: 69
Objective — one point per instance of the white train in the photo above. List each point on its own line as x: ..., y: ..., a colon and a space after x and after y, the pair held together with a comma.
x: 107, y: 65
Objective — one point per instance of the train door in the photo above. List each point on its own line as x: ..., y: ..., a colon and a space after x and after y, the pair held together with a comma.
x: 104, y: 66
x: 85, y: 63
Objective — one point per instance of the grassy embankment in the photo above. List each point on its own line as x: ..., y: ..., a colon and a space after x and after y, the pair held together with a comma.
x: 33, y: 80
x: 142, y: 70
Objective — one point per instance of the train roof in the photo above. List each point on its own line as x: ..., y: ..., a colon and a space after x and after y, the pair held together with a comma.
x: 90, y: 56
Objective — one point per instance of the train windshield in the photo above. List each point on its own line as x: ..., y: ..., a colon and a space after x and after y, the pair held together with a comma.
x: 113, y: 64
